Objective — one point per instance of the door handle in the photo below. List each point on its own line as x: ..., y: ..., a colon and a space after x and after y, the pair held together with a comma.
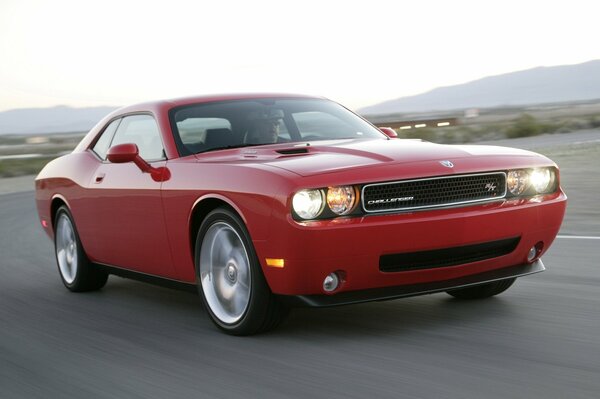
x: 99, y: 178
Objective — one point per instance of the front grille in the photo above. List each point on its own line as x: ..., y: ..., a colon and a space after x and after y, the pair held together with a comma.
x: 433, y: 192
x: 447, y: 256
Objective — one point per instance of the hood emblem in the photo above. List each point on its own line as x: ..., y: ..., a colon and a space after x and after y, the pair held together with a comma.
x: 447, y: 164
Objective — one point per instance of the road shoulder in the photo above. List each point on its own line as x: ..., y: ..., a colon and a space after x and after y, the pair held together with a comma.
x: 16, y: 184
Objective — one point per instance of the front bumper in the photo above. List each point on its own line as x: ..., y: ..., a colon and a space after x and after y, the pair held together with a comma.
x: 387, y: 293
x: 354, y: 246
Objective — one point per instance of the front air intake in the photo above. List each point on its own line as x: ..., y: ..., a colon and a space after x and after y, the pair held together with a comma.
x: 447, y: 256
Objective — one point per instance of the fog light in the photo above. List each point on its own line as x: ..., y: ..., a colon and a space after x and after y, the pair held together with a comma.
x: 535, y: 252
x: 331, y: 282
x: 532, y: 254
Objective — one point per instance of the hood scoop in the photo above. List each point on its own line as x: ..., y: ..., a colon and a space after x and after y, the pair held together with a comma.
x: 293, y: 151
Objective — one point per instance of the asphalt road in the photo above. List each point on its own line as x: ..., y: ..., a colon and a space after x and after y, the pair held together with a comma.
x: 540, y: 339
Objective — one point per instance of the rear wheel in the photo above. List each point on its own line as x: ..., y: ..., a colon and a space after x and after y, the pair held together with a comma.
x: 230, y: 279
x: 76, y: 271
x: 483, y: 290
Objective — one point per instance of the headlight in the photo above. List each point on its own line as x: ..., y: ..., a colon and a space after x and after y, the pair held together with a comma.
x: 541, y: 179
x: 517, y: 181
x: 308, y: 204
x: 341, y: 199
x: 531, y: 181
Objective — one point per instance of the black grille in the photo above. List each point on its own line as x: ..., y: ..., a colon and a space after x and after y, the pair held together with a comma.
x: 447, y: 256
x: 433, y: 192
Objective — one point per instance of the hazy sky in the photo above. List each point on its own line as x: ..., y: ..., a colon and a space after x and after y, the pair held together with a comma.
x: 89, y: 52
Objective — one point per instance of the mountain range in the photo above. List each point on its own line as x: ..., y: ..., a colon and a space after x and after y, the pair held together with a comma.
x: 60, y: 119
x: 556, y: 84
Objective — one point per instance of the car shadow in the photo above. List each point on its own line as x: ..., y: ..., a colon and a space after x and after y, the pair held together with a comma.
x: 406, y: 316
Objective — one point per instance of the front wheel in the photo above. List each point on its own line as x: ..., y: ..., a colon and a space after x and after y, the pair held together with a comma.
x: 77, y: 273
x: 230, y: 279
x: 482, y: 291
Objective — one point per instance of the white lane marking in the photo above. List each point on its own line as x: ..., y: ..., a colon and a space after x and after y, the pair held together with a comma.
x: 585, y: 142
x: 579, y: 237
x: 20, y: 156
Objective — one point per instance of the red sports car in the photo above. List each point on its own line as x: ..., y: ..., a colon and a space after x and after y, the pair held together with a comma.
x: 262, y: 202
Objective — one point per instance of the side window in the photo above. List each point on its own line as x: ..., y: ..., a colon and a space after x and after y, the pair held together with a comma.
x: 141, y: 130
x: 101, y: 146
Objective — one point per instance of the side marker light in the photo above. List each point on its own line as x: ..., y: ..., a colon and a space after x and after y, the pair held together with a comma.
x: 273, y: 262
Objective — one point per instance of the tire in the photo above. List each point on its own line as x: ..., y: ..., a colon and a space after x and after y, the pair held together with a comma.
x: 230, y: 280
x: 483, y: 290
x: 76, y: 271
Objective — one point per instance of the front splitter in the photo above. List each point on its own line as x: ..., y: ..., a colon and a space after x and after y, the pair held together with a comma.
x: 402, y: 291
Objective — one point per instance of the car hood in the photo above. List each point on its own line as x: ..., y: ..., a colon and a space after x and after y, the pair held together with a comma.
x: 319, y: 157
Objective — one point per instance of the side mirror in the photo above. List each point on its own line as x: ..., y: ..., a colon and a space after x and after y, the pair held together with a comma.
x: 123, y: 153
x: 388, y: 131
x: 128, y: 152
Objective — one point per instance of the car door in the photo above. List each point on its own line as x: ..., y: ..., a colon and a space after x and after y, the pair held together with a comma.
x: 124, y: 204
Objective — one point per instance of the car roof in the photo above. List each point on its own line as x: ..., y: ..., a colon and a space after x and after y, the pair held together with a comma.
x: 171, y: 103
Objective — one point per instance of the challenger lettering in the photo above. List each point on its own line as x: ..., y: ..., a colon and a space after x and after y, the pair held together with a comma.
x: 390, y: 200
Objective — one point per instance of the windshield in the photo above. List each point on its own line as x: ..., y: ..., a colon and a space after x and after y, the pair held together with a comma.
x: 212, y: 126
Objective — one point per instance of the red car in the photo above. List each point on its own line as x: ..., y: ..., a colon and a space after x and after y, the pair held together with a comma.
x: 262, y: 202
